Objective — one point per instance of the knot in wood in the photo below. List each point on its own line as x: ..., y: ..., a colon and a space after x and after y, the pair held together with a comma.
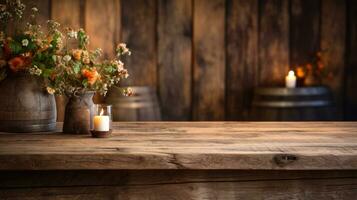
x: 283, y: 160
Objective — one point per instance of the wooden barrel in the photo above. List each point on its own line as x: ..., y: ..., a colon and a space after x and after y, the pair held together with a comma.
x: 293, y: 104
x: 141, y: 106
x: 25, y: 106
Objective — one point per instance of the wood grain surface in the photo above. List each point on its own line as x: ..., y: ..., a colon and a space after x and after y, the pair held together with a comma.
x: 175, y: 58
x: 242, y: 57
x: 333, y: 40
x: 179, y: 184
x: 273, y: 42
x: 139, y: 32
x: 102, y: 23
x: 305, y: 31
x: 67, y: 13
x: 209, y: 60
x: 200, y: 145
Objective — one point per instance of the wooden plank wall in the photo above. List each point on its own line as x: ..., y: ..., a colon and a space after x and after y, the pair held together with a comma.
x: 204, y: 57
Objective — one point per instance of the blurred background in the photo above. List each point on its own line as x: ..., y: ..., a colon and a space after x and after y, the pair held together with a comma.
x: 209, y: 59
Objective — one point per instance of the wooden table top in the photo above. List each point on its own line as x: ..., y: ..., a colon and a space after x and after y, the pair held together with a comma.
x: 189, y: 145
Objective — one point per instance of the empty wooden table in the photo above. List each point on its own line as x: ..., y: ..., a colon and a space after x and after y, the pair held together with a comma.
x: 184, y: 160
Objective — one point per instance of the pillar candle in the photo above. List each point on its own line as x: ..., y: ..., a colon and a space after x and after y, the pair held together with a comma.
x: 290, y: 80
x: 101, y: 123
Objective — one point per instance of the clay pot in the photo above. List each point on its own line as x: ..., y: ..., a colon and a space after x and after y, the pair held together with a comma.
x: 78, y: 114
x: 25, y: 106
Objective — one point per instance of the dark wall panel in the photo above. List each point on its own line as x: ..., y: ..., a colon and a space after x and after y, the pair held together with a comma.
x: 175, y: 58
x: 242, y: 57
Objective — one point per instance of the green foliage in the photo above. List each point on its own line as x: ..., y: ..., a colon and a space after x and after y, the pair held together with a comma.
x: 85, y: 83
x: 15, y: 47
x: 83, y: 39
x: 77, y: 67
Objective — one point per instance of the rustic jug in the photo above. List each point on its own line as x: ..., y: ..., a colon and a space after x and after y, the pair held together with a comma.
x: 78, y: 114
x: 25, y: 106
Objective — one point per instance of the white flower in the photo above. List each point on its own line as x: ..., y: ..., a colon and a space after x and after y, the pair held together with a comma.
x: 34, y: 9
x: 122, y: 49
x: 118, y: 64
x: 128, y: 92
x: 98, y: 52
x: 50, y: 90
x: 124, y: 73
x: 72, y: 34
x: 122, y: 45
x: 35, y: 71
x: 25, y: 42
x: 105, y: 86
x: 67, y: 58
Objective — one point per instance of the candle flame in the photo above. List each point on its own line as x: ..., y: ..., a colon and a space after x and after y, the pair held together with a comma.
x: 291, y: 73
x: 101, y: 112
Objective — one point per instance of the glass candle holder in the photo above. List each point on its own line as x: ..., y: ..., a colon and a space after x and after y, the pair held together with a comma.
x: 102, y: 121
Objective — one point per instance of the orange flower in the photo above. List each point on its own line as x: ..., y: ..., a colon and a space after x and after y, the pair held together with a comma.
x: 90, y: 75
x: 300, y: 72
x: 320, y: 65
x: 77, y: 54
x: 16, y: 64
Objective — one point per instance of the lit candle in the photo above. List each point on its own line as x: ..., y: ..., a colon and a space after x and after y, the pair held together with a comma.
x: 290, y: 80
x: 101, y: 122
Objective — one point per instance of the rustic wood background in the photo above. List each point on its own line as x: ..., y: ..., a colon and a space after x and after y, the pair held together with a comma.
x: 204, y: 57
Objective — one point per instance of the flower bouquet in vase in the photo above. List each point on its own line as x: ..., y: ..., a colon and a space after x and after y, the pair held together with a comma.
x: 25, y: 54
x: 78, y: 74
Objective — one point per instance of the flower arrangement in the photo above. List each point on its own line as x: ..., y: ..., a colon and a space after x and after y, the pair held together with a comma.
x: 61, y: 58
x: 77, y: 69
x: 313, y: 72
x: 26, y: 49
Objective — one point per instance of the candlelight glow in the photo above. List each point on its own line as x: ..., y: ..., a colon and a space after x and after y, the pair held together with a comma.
x: 101, y: 112
x: 290, y: 80
x: 291, y: 73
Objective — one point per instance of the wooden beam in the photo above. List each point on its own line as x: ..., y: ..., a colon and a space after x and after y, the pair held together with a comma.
x: 333, y: 40
x: 273, y: 42
x: 139, y: 32
x: 102, y: 19
x: 305, y: 31
x: 175, y: 58
x: 242, y: 57
x: 209, y: 60
x: 68, y: 13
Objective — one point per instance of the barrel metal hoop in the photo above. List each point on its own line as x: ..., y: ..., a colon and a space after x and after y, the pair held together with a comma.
x: 6, y: 115
x: 304, y: 91
x: 289, y: 104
